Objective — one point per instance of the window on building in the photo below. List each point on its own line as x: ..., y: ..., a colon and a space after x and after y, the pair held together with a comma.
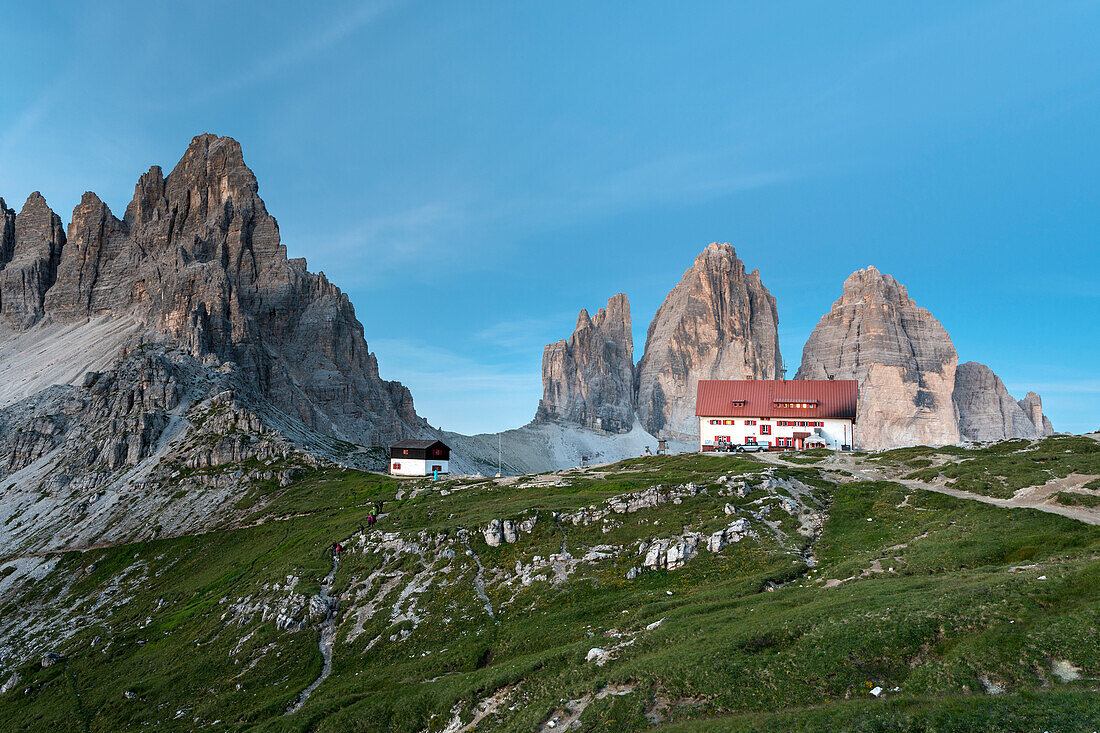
x: 738, y: 403
x: 765, y: 429
x: 750, y: 422
x: 396, y: 467
x: 405, y: 452
x: 729, y: 422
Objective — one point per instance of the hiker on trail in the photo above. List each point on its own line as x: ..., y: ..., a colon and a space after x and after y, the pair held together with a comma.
x: 339, y: 549
x: 361, y: 528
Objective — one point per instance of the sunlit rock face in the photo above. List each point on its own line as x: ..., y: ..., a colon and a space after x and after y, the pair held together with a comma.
x: 1032, y: 405
x: 719, y: 322
x: 901, y: 355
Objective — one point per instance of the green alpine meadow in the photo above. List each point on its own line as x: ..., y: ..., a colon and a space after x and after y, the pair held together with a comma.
x: 833, y: 603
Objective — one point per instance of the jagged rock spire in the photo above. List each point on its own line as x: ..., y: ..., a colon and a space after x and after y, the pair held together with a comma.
x: 30, y: 249
x: 198, y: 259
x: 588, y: 379
x: 719, y: 322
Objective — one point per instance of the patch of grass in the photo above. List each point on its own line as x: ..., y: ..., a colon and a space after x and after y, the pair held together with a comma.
x: 1003, y: 468
x: 812, y: 455
x: 1072, y: 498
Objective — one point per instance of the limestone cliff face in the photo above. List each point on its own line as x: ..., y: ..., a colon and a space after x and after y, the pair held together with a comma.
x: 589, y: 378
x: 717, y: 323
x: 30, y: 248
x: 986, y: 410
x: 198, y: 259
x: 1032, y: 405
x: 901, y: 355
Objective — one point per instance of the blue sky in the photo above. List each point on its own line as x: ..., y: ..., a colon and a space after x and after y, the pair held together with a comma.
x: 472, y: 174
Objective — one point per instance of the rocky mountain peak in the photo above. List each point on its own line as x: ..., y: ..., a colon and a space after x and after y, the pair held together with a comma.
x: 1032, y: 405
x: 583, y: 320
x: 717, y: 323
x: 588, y: 379
x: 29, y: 254
x: 901, y: 355
x: 7, y: 233
x: 870, y: 285
x: 986, y: 410
x: 197, y: 259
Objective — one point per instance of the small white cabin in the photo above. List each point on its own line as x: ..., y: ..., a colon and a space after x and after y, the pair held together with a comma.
x: 419, y: 458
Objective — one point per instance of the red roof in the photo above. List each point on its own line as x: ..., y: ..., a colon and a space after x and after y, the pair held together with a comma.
x: 833, y: 398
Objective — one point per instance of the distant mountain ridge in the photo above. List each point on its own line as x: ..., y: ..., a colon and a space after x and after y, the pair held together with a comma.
x: 721, y: 323
x: 197, y: 260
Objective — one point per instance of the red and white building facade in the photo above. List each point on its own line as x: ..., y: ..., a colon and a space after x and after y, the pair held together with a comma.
x: 778, y: 413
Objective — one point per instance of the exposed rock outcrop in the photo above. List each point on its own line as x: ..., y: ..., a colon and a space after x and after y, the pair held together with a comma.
x: 1032, y: 405
x: 127, y: 452
x: 901, y: 355
x: 986, y: 410
x: 719, y: 322
x: 589, y: 378
x: 198, y: 259
x: 30, y: 249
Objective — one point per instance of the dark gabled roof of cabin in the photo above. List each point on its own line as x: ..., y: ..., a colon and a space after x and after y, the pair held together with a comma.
x: 419, y: 444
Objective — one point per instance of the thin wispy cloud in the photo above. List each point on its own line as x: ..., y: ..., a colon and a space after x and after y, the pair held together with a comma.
x: 322, y: 39
x: 29, y: 118
x: 524, y: 335
x: 454, y: 229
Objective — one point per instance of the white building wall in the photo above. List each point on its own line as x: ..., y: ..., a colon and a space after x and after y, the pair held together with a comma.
x: 417, y: 466
x: 767, y: 430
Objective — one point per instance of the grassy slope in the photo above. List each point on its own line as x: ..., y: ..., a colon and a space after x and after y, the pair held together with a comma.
x: 1003, y: 468
x: 951, y: 620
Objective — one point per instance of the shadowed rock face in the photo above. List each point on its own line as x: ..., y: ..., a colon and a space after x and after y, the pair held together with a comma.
x: 1032, y: 405
x: 589, y: 378
x: 198, y: 259
x: 717, y: 323
x: 986, y: 410
x: 901, y: 355
x: 30, y: 248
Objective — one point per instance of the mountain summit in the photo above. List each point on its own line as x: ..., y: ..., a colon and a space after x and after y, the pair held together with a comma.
x: 197, y: 260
